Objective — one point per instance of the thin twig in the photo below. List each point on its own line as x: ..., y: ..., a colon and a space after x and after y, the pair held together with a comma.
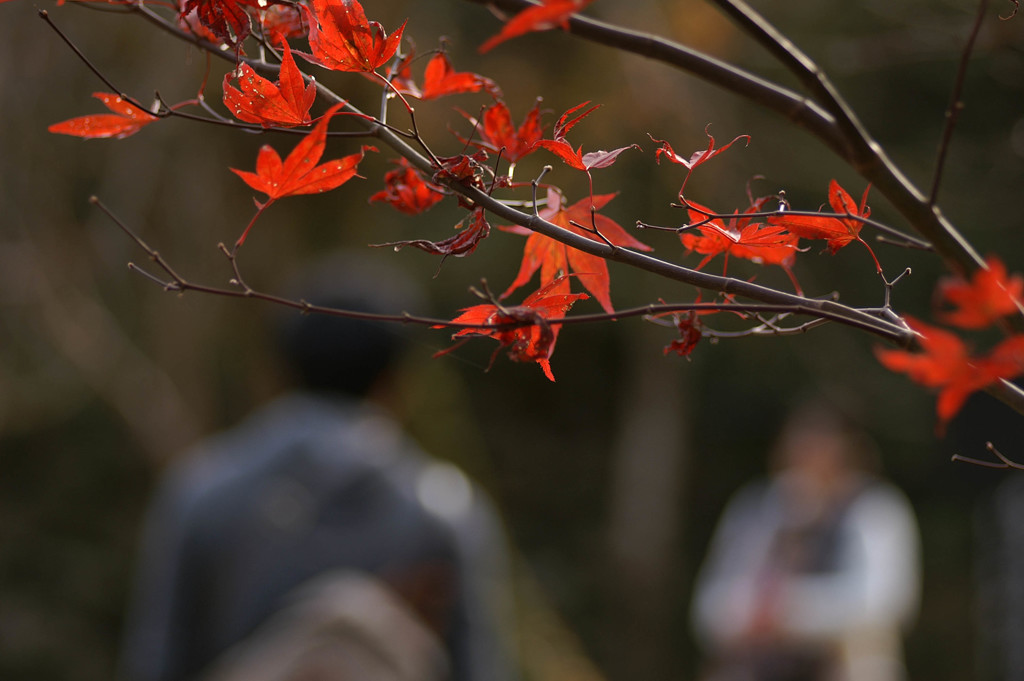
x: 956, y: 105
x: 1003, y: 463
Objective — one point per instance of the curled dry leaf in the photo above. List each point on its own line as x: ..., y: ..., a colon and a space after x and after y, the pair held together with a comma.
x: 228, y: 20
x: 463, y: 243
x: 575, y: 158
x: 697, y: 158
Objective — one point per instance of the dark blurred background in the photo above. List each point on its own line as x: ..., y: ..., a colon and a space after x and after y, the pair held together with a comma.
x: 610, y: 480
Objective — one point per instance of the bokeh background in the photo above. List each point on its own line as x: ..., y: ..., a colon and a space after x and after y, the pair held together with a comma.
x: 610, y: 480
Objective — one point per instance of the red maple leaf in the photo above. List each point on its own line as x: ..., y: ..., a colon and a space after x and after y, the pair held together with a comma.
x: 407, y: 191
x: 462, y: 168
x: 549, y: 14
x: 228, y: 20
x: 400, y: 76
x: 126, y: 120
x: 285, y: 104
x: 279, y: 22
x: 499, y: 135
x: 463, y: 243
x: 534, y: 340
x: 299, y: 173
x: 945, y: 363
x: 441, y: 79
x: 989, y: 296
x: 690, y: 332
x: 575, y: 157
x: 696, y: 158
x: 741, y: 237
x: 554, y: 259
x: 838, y: 231
x: 343, y: 40
x: 190, y: 23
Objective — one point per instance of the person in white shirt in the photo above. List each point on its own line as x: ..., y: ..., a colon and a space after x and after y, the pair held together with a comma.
x: 813, y: 574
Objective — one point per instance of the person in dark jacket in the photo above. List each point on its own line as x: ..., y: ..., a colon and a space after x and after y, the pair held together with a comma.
x: 321, y: 481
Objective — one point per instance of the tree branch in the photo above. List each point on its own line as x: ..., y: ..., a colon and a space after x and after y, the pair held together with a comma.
x: 955, y: 105
x: 845, y: 137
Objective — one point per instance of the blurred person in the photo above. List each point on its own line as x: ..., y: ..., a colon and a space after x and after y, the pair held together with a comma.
x: 314, y: 540
x: 999, y: 578
x: 812, y: 574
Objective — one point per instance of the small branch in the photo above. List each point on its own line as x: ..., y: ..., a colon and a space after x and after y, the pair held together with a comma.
x: 769, y: 327
x: 889, y: 285
x: 178, y: 283
x: 1003, y: 462
x: 165, y: 285
x: 415, y: 131
x: 956, y: 105
x: 793, y: 106
x: 533, y: 186
x: 593, y: 228
x: 45, y: 16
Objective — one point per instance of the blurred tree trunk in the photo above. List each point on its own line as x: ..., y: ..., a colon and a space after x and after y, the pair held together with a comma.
x: 648, y: 475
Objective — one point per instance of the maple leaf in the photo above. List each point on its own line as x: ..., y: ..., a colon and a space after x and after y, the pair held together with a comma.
x: 946, y: 364
x: 549, y: 14
x: 838, y: 231
x: 343, y: 40
x: 554, y: 259
x: 690, y: 332
x: 462, y: 244
x: 462, y: 168
x: 989, y: 296
x: 228, y: 20
x: 741, y: 237
x: 575, y: 157
x: 190, y: 23
x: 126, y: 119
x: 279, y: 22
x: 499, y: 135
x: 441, y: 79
x: 401, y: 78
x: 285, y: 104
x: 534, y: 341
x: 299, y: 173
x: 697, y: 158
x: 407, y: 191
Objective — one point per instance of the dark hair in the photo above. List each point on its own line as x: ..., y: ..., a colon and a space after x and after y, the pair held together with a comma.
x: 828, y: 415
x: 336, y: 354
